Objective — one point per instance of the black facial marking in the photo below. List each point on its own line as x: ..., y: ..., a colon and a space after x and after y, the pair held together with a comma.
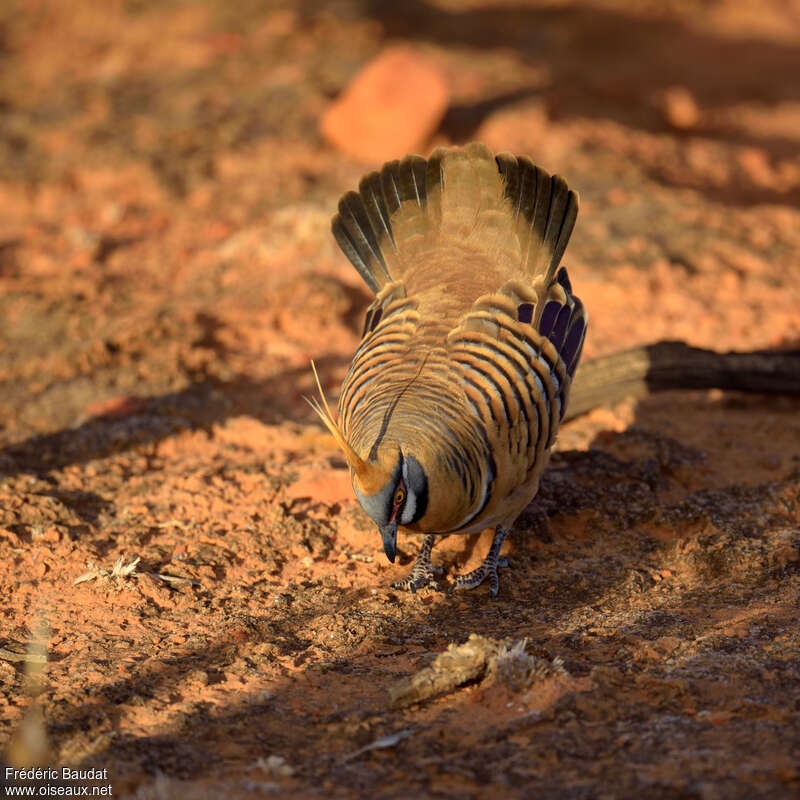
x: 417, y: 483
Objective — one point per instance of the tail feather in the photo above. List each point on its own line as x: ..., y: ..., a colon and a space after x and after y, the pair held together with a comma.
x: 470, y: 189
x: 545, y: 209
x: 356, y: 236
x: 411, y: 221
x: 504, y: 206
x: 365, y: 226
x: 434, y: 180
x: 371, y: 192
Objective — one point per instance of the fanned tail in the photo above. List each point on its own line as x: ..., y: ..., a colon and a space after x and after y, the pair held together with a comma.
x: 511, y: 212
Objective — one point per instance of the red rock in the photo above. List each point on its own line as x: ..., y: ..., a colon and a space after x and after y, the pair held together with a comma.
x: 389, y: 109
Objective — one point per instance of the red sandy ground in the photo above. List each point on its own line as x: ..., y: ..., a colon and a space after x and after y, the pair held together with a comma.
x: 167, y: 272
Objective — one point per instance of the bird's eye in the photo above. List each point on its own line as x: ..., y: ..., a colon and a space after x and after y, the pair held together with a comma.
x: 399, y: 496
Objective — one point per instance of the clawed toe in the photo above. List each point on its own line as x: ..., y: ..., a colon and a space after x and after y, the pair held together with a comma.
x: 424, y: 573
x: 478, y: 576
x: 420, y: 577
x: 486, y: 570
x: 412, y: 583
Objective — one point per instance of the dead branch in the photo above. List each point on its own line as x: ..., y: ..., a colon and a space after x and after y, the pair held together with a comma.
x: 676, y: 365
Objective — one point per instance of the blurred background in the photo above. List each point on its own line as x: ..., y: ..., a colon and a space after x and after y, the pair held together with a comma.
x: 168, y: 173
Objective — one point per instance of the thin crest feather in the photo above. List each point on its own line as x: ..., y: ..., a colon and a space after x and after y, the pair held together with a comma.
x: 370, y: 476
x: 323, y: 411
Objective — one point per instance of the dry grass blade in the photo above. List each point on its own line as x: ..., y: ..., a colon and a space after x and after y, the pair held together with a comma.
x: 26, y: 658
x: 174, y: 578
x: 29, y: 745
x: 382, y: 743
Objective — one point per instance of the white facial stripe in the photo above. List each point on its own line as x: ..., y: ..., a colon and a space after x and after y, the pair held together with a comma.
x: 410, y: 508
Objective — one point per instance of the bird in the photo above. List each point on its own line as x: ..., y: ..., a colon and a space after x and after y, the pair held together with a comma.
x: 451, y: 405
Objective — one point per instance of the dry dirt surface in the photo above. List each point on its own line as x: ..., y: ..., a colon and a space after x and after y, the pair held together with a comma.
x: 166, y: 275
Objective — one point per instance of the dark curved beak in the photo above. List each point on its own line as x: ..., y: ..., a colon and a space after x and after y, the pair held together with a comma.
x: 389, y: 536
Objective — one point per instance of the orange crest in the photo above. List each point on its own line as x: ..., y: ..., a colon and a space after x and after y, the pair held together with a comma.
x: 371, y: 477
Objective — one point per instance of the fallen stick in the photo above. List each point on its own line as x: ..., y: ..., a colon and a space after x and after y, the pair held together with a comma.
x: 675, y: 365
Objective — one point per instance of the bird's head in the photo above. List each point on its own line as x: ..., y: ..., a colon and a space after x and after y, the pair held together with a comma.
x: 390, y: 485
x: 393, y: 490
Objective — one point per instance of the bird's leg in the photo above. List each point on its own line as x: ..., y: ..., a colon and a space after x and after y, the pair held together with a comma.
x: 423, y: 572
x: 489, y: 567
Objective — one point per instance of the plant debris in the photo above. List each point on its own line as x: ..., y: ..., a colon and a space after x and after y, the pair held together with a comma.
x: 118, y: 572
x: 476, y: 660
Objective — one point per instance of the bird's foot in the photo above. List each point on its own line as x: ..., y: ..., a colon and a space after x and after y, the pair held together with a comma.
x: 424, y: 573
x: 486, y: 570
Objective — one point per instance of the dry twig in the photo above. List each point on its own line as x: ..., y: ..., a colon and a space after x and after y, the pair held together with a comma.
x: 676, y: 365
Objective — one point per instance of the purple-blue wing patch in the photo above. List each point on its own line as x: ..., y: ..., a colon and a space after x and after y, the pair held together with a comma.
x: 549, y: 316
